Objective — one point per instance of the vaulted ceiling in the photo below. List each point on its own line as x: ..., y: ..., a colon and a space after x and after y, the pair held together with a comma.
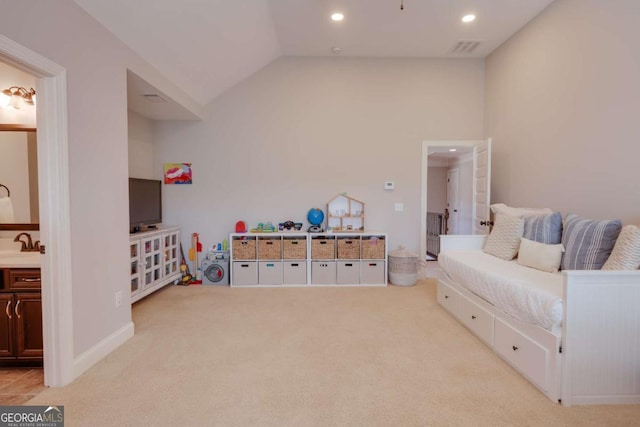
x: 207, y: 46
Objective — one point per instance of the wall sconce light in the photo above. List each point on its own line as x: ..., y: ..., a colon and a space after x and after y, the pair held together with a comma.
x: 15, y: 96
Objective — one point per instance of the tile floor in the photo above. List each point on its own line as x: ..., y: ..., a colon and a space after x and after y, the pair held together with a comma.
x: 18, y: 385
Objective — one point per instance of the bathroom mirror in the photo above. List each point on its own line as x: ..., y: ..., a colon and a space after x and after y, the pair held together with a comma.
x: 19, y: 178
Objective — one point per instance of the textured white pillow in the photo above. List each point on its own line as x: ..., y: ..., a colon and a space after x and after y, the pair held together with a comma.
x: 540, y: 255
x: 504, y: 240
x: 501, y: 208
x: 626, y: 252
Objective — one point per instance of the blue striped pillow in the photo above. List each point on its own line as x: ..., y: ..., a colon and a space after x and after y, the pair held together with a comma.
x: 588, y: 243
x: 544, y: 228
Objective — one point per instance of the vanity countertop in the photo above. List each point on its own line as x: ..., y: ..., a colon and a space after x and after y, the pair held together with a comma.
x: 14, y: 259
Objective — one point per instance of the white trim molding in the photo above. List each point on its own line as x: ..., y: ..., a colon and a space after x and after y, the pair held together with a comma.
x: 103, y: 348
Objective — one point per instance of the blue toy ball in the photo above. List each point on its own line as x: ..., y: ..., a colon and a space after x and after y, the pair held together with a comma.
x: 315, y: 216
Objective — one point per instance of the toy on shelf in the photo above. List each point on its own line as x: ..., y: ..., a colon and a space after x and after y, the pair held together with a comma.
x: 266, y: 227
x: 345, y: 213
x: 290, y: 226
x: 241, y: 227
x: 315, y: 217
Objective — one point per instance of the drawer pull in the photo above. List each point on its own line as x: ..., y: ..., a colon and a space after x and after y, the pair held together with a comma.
x: 244, y: 265
x: 473, y: 317
x: 28, y: 279
x: 446, y: 297
x: 7, y: 310
x: 295, y: 265
x: 16, y: 309
x: 515, y: 348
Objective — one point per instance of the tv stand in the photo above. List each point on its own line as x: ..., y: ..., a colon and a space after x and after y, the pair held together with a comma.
x: 155, y: 260
x: 134, y: 230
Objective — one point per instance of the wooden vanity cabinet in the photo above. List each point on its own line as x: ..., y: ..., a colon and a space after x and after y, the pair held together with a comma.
x: 20, y: 316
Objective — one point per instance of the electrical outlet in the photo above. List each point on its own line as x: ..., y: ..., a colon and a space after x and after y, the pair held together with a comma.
x: 118, y: 299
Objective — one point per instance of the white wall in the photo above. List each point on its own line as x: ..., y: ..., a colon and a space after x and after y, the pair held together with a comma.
x: 301, y: 130
x: 96, y: 64
x: 562, y: 103
x: 141, y: 161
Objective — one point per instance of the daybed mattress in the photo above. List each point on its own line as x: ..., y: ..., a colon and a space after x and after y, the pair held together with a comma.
x: 527, y: 294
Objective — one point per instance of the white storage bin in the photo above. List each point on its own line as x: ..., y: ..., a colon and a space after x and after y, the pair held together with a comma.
x: 403, y: 267
x: 270, y: 272
x: 295, y: 272
x: 245, y: 273
x: 323, y: 272
x: 372, y: 273
x: 348, y: 273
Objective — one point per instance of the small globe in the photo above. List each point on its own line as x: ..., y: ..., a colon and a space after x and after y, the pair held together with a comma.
x: 315, y: 216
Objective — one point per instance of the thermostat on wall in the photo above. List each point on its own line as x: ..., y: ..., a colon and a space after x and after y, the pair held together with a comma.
x: 389, y: 185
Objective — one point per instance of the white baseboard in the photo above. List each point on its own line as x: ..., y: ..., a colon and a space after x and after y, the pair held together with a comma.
x: 100, y: 350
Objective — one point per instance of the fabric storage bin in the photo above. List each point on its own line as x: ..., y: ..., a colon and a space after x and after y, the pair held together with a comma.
x: 269, y: 248
x: 323, y: 272
x: 323, y: 248
x: 348, y: 248
x: 244, y: 248
x: 372, y: 273
x: 373, y: 247
x: 244, y: 273
x: 295, y: 272
x: 294, y: 248
x: 348, y: 273
x: 270, y: 272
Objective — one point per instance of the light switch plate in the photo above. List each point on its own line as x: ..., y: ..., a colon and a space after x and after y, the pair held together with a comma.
x: 399, y: 207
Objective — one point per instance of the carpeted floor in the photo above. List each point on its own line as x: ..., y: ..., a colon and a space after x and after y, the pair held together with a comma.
x: 333, y: 356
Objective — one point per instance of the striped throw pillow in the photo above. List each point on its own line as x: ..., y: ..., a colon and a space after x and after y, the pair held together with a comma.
x: 588, y: 243
x: 626, y: 252
x: 544, y: 228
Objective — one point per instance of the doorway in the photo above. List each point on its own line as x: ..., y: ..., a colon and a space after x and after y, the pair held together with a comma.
x: 467, y: 163
x: 53, y: 183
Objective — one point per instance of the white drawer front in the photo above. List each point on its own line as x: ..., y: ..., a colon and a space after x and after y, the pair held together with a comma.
x: 323, y: 272
x: 245, y: 273
x: 448, y: 298
x: 525, y: 355
x: 348, y: 272
x: 372, y: 273
x: 270, y: 272
x: 295, y: 272
x: 477, y: 319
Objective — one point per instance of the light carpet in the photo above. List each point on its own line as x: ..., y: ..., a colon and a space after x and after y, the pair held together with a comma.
x: 321, y: 356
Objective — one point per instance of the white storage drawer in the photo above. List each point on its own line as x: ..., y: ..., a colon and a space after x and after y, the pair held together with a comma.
x: 295, y: 272
x: 524, y: 354
x: 348, y: 273
x: 372, y: 273
x: 477, y: 319
x: 323, y: 272
x: 449, y: 298
x: 270, y: 272
x: 244, y: 273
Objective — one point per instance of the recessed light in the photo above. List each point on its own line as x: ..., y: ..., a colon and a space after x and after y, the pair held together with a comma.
x: 337, y: 16
x: 452, y: 149
x: 468, y: 18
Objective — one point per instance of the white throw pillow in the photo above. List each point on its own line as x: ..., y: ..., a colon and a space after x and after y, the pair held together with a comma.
x: 540, y: 255
x: 501, y: 208
x: 626, y: 252
x: 504, y: 240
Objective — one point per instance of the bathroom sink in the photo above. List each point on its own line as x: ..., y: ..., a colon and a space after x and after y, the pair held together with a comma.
x: 17, y: 259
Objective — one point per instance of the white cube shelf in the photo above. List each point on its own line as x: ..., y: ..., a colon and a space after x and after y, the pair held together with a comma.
x: 308, y: 259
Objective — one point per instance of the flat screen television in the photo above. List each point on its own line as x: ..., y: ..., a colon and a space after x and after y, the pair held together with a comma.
x: 145, y: 203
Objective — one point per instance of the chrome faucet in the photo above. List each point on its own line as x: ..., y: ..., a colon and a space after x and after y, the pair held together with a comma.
x: 29, y: 245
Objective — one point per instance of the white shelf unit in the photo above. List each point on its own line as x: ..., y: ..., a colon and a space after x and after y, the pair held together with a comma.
x: 154, y: 260
x: 308, y: 259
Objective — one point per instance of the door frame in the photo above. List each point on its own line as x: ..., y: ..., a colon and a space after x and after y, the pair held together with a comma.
x: 55, y: 224
x: 424, y: 184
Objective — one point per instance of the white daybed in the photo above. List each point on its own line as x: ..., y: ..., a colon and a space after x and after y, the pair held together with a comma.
x: 578, y: 344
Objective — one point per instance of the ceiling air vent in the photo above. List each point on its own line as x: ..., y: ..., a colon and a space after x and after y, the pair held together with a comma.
x: 465, y: 47
x: 154, y: 97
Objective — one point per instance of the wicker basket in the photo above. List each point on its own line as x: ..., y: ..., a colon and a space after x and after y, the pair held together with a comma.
x: 293, y: 248
x: 373, y: 247
x: 244, y: 248
x: 348, y: 248
x: 269, y: 248
x: 323, y: 248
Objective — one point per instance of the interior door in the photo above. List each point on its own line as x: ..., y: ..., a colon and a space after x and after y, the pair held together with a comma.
x: 481, y: 186
x: 453, y: 200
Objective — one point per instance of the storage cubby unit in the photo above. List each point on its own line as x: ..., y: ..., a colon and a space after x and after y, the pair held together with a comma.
x: 308, y: 259
x: 154, y: 260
